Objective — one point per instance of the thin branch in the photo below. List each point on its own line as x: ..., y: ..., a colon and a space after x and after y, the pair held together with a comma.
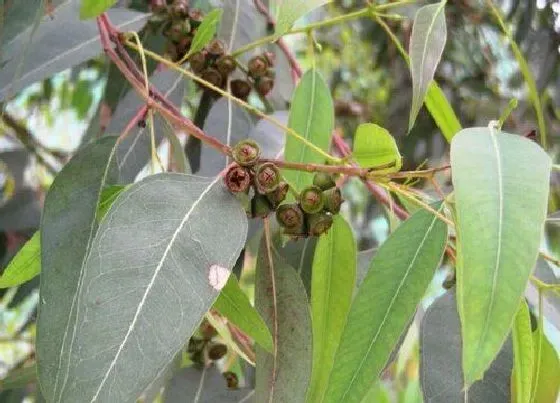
x: 268, y: 241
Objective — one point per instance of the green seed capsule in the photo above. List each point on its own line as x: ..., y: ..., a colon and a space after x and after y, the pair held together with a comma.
x: 279, y: 194
x: 267, y: 178
x: 260, y: 206
x: 257, y: 66
x: 311, y: 199
x: 319, y: 223
x: 216, y: 48
x: 237, y: 179
x: 226, y: 65
x: 324, y: 180
x: 333, y: 200
x: 246, y: 153
x: 290, y: 216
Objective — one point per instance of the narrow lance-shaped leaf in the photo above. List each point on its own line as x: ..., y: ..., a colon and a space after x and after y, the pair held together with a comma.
x: 374, y: 146
x: 546, y: 376
x: 442, y: 112
x: 160, y: 257
x: 501, y: 186
x: 311, y: 116
x: 289, y: 11
x: 68, y: 226
x: 522, y: 355
x: 25, y: 265
x: 399, y: 275
x: 286, y: 377
x: 93, y: 8
x: 206, y: 31
x: 332, y: 285
x: 429, y: 34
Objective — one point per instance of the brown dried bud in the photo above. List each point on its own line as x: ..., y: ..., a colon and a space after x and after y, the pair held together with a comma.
x: 226, y: 65
x: 333, y: 200
x: 257, y: 66
x: 260, y: 206
x: 237, y: 179
x: 246, y: 153
x: 319, y: 223
x: 279, y: 194
x: 231, y: 379
x: 197, y: 61
x: 290, y: 216
x: 311, y: 199
x: 264, y: 85
x: 267, y: 178
x: 217, y: 351
x: 216, y: 48
x: 240, y: 89
x: 270, y: 58
x: 195, y: 17
x: 180, y: 8
x: 213, y: 76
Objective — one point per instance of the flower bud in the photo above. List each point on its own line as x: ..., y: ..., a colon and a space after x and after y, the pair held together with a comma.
x: 213, y: 76
x: 270, y: 58
x: 197, y: 61
x: 311, y: 199
x: 158, y: 6
x: 237, y: 179
x: 264, y: 85
x: 217, y: 351
x: 246, y: 153
x: 216, y: 48
x: 226, y: 65
x: 240, y: 89
x: 333, y: 200
x: 324, y: 180
x: 260, y: 206
x: 279, y: 194
x: 290, y: 216
x: 257, y: 66
x: 231, y: 380
x: 267, y: 178
x: 178, y: 30
x: 195, y: 17
x: 319, y: 223
x: 180, y: 8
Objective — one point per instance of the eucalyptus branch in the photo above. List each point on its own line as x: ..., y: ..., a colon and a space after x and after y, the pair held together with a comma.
x: 551, y: 259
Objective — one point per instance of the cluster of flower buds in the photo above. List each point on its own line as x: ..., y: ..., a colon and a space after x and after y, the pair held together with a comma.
x: 202, y: 347
x: 311, y: 215
x: 260, y: 76
x: 213, y: 64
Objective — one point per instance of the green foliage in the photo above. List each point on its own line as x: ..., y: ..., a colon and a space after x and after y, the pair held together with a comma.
x: 289, y: 11
x: 25, y: 265
x: 93, y: 8
x: 546, y: 375
x: 374, y: 146
x: 523, y: 355
x: 206, y: 31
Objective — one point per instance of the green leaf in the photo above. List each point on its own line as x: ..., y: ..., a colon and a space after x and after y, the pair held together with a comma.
x: 501, y: 186
x: 108, y: 196
x: 289, y: 11
x: 157, y: 263
x: 286, y: 377
x: 522, y: 355
x: 206, y: 31
x: 442, y: 112
x: 234, y: 304
x: 399, y: 275
x: 25, y: 265
x: 374, y: 146
x: 546, y: 377
x: 93, y: 8
x: 332, y: 285
x: 67, y: 230
x: 429, y: 34
x: 312, y: 116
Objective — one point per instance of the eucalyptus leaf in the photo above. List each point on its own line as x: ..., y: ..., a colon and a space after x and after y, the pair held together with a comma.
x: 25, y: 265
x: 289, y: 11
x: 374, y: 146
x: 333, y: 283
x: 523, y: 355
x: 311, y: 116
x: 108, y: 196
x: 429, y: 34
x: 398, y: 277
x: 67, y: 230
x: 158, y: 261
x: 93, y: 8
x: 241, y: 24
x: 299, y: 254
x: 501, y: 186
x: 206, y: 31
x: 283, y: 378
x: 21, y: 212
x: 546, y: 376
x: 442, y: 112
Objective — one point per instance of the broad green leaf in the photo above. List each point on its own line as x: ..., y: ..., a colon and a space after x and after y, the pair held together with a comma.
x: 234, y: 304
x: 311, y: 116
x: 157, y: 263
x: 399, y: 275
x: 299, y: 254
x: 220, y: 324
x: 522, y: 355
x: 206, y: 31
x: 546, y: 376
x: 67, y: 230
x: 332, y: 285
x: 93, y: 8
x: 441, y: 111
x: 429, y: 34
x: 19, y: 378
x: 501, y: 186
x: 441, y: 374
x: 289, y: 11
x: 25, y: 265
x: 374, y: 146
x: 108, y: 196
x: 286, y: 377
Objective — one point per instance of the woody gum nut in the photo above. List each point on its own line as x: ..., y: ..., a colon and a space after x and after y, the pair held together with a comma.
x: 290, y: 216
x: 279, y: 194
x: 240, y: 89
x: 246, y: 153
x: 237, y: 179
x: 319, y: 223
x: 333, y: 200
x: 311, y: 199
x: 180, y: 8
x: 226, y: 65
x: 323, y: 180
x: 213, y: 76
x: 257, y: 66
x: 264, y: 85
x: 216, y: 48
x: 260, y: 206
x: 195, y: 17
x: 267, y: 177
x: 197, y: 61
x: 217, y: 351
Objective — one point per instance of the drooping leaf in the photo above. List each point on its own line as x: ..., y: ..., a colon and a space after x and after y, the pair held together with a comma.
x: 501, y: 192
x: 429, y: 34
x: 206, y: 31
x: 441, y: 111
x: 522, y: 338
x: 93, y: 8
x: 333, y: 283
x: 234, y: 304
x: 311, y: 116
x: 67, y: 230
x: 59, y: 42
x: 299, y: 254
x: 546, y: 376
x: 158, y: 261
x: 25, y: 265
x: 286, y: 377
x: 398, y: 277
x: 289, y: 11
x: 441, y: 375
x: 374, y: 146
